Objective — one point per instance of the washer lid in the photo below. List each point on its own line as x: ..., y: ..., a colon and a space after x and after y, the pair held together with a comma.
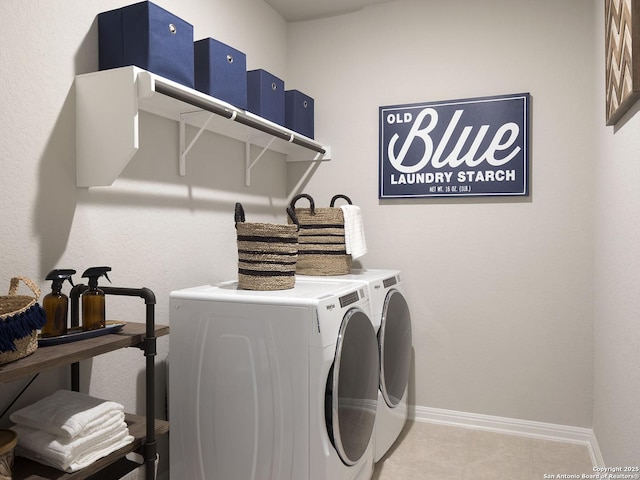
x: 352, y: 387
x: 304, y: 293
x: 395, y: 347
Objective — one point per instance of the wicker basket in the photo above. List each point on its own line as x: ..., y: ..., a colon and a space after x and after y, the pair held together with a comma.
x: 20, y: 318
x: 267, y: 253
x: 322, y: 248
x: 8, y: 441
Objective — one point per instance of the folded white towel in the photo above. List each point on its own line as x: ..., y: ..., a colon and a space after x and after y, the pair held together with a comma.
x: 67, y: 414
x: 72, y: 454
x: 355, y: 242
x: 99, y: 423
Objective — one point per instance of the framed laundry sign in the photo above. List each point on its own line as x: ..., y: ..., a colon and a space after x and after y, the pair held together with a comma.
x: 455, y: 148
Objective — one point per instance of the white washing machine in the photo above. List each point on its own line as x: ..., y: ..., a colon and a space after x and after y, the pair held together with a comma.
x: 391, y: 318
x: 277, y: 385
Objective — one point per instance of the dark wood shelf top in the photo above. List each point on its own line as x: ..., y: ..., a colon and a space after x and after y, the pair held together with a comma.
x: 59, y: 355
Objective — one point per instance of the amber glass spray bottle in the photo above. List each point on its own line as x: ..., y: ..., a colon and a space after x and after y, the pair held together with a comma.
x: 56, y: 304
x: 93, y: 308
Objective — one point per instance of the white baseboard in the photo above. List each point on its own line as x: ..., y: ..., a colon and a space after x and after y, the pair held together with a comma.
x: 512, y: 426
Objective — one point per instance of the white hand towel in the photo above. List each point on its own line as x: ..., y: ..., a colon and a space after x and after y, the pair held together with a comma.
x: 355, y: 242
x: 100, y: 422
x: 66, y: 414
x: 72, y: 454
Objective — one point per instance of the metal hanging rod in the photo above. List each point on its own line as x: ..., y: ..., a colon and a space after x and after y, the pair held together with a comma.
x: 180, y: 94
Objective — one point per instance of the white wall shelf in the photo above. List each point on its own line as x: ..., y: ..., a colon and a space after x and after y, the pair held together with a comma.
x: 107, y: 106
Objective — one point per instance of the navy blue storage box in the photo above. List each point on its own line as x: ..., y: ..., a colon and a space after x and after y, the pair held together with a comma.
x: 221, y: 71
x: 149, y: 37
x: 265, y: 95
x: 298, y: 112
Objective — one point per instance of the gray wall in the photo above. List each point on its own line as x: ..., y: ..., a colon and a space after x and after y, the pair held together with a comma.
x: 500, y: 288
x: 616, y: 333
x: 153, y: 227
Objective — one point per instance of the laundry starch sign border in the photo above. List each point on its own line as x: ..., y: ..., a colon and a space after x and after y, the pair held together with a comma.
x: 455, y: 148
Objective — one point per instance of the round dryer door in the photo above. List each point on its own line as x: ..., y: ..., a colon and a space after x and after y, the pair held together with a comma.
x: 395, y: 347
x: 351, y: 397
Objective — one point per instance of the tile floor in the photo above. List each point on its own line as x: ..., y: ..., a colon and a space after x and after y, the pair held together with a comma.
x: 427, y: 451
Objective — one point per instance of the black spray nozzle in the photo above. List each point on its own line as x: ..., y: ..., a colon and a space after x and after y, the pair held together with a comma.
x: 93, y: 273
x: 59, y: 275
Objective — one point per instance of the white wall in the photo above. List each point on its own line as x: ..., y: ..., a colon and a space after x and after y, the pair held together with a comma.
x: 154, y: 228
x: 616, y: 411
x: 500, y: 289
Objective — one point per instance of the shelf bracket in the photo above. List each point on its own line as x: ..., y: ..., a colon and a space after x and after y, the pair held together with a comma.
x: 184, y: 148
x: 250, y: 164
x: 106, y: 125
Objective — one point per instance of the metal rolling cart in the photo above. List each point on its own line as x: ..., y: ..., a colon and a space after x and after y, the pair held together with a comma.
x: 150, y: 351
x: 144, y: 429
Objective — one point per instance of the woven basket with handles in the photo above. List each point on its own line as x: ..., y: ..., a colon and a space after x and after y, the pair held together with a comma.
x: 20, y: 318
x: 321, y: 249
x: 267, y: 253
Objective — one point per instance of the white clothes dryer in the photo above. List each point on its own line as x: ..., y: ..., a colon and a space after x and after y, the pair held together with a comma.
x: 272, y: 385
x: 391, y: 319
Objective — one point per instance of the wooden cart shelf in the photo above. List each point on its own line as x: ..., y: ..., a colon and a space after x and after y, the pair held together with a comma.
x: 44, y: 358
x: 24, y: 469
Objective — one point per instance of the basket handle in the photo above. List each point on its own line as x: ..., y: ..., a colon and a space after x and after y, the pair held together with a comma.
x: 239, y: 213
x: 308, y: 197
x: 336, y: 197
x: 292, y: 215
x: 15, y: 282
